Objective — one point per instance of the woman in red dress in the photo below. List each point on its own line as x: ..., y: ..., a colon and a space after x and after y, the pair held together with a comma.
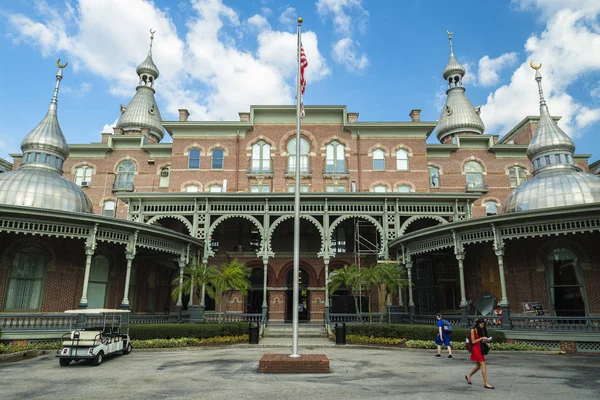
x: 478, y: 337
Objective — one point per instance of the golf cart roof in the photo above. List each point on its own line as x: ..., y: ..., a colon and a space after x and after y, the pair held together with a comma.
x: 97, y: 311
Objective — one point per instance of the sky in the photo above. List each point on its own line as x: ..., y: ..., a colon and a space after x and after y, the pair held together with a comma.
x: 379, y: 58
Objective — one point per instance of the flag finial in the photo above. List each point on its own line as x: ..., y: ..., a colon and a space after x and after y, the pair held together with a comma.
x: 300, y: 20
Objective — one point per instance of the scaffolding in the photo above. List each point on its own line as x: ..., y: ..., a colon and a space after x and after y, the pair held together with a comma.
x: 364, y: 231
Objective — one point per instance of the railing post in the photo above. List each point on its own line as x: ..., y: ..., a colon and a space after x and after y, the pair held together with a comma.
x: 125, y: 302
x: 411, y: 303
x: 264, y: 303
x: 89, y: 252
x: 504, y: 301
x: 464, y: 306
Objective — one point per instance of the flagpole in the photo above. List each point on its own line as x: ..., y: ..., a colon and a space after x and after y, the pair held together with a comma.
x: 297, y: 206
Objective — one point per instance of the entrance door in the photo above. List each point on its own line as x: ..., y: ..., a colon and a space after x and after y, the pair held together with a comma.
x: 565, y: 283
x: 303, y: 300
x: 254, y: 300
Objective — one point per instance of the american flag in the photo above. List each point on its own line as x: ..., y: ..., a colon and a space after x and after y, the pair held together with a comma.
x: 303, y: 65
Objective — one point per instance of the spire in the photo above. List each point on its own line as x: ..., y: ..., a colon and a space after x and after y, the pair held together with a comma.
x: 458, y: 115
x: 550, y: 146
x: 147, y: 70
x: 46, y: 145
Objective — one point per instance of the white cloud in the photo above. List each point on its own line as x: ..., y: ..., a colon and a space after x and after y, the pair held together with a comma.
x: 489, y: 68
x: 288, y: 17
x: 346, y: 16
x: 568, y: 48
x: 204, y: 71
x: 470, y: 77
x: 344, y: 52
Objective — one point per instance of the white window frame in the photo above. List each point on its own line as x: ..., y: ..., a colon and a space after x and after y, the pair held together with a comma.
x: 380, y: 189
x: 191, y: 188
x: 83, y: 174
x: 199, y: 158
x: 304, y: 188
x: 335, y: 159
x: 109, y: 205
x: 335, y: 188
x: 215, y: 188
x: 261, y: 157
x: 406, y: 189
x: 402, y: 160
x: 260, y: 188
x: 378, y: 158
x: 304, y: 151
x: 488, y: 205
x: 514, y: 174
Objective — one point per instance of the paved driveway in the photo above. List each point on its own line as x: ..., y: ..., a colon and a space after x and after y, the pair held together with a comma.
x: 231, y: 373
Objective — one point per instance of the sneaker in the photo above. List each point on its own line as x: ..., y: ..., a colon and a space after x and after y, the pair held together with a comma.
x: 438, y: 356
x: 449, y: 357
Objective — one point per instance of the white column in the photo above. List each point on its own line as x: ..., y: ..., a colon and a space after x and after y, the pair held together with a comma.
x: 326, y: 261
x: 129, y: 256
x: 409, y: 265
x: 265, y: 265
x: 500, y: 255
x: 461, y: 271
x: 89, y: 252
x: 179, y: 297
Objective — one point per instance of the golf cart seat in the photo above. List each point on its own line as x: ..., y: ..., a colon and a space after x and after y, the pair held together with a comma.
x: 83, y: 338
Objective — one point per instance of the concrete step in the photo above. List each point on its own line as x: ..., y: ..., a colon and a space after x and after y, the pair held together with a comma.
x: 285, y: 331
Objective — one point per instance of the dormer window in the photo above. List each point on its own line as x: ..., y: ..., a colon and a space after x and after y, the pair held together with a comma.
x: 474, y: 172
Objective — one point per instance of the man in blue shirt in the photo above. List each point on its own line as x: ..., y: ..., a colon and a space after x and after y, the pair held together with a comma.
x: 442, y: 338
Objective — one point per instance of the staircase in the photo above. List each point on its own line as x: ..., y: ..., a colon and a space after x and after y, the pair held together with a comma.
x: 309, y: 336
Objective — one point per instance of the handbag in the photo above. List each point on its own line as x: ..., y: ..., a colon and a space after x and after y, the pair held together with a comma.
x: 485, y: 349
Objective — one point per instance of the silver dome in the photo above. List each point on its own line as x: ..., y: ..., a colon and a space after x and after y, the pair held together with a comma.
x: 47, y: 136
x: 42, y: 188
x: 148, y: 67
x: 142, y: 112
x: 554, y: 188
x: 453, y: 68
x: 458, y: 115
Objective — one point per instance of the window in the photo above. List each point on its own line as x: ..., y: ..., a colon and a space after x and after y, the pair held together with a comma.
x: 491, y: 208
x: 338, y: 240
x: 217, y: 159
x: 434, y: 177
x: 402, y: 160
x: 474, y: 172
x: 194, y: 159
x: 380, y: 189
x: 335, y: 162
x: 83, y: 174
x: 292, y: 188
x: 335, y: 188
x: 564, y: 277
x: 108, y: 210
x: 191, y: 188
x: 260, y: 188
x: 215, y: 188
x: 125, y: 175
x: 98, y: 282
x: 517, y: 176
x: 164, y: 177
x: 378, y: 160
x: 404, y: 189
x: 25, y: 280
x: 261, y: 158
x: 304, y: 150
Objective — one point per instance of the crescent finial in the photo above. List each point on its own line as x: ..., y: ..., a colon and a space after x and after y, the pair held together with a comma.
x: 61, y: 66
x: 536, y: 67
x: 152, y: 31
x: 448, y: 32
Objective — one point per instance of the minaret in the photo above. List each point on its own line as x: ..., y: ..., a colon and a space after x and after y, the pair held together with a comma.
x: 142, y: 116
x: 39, y: 182
x: 458, y: 114
x: 556, y: 181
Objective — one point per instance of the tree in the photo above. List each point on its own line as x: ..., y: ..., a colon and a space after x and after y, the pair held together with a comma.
x: 196, y: 275
x: 392, y: 276
x: 348, y: 276
x: 229, y: 278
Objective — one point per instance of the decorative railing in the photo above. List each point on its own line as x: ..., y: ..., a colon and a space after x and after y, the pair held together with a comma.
x: 355, y: 319
x: 234, y: 317
x: 123, y: 187
x: 476, y: 187
x: 140, y: 319
x: 455, y: 320
x: 558, y: 324
x: 259, y: 171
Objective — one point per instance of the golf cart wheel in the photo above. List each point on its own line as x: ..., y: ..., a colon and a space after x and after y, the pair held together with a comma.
x: 127, y: 349
x: 64, y: 361
x: 98, y: 359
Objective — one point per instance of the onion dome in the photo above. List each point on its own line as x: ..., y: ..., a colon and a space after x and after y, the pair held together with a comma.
x: 556, y: 180
x: 142, y: 112
x: 458, y: 114
x: 39, y: 182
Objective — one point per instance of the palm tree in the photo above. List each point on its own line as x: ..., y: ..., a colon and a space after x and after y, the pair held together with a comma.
x: 196, y: 275
x: 348, y: 276
x: 231, y: 277
x: 371, y: 277
x: 392, y: 276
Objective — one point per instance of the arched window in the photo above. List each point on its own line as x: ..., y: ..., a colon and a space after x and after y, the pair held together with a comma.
x: 83, y: 175
x: 564, y: 277
x: 215, y: 188
x: 125, y: 175
x: 98, y: 282
x: 402, y: 160
x: 517, y: 176
x: 25, y: 280
x: 217, y: 159
x: 434, y: 177
x: 190, y: 188
x: 380, y: 188
x: 335, y: 162
x: 194, y: 159
x: 474, y: 172
x: 404, y: 189
x: 261, y: 158
x: 491, y: 208
x: 378, y: 160
x: 304, y: 150
x: 108, y: 208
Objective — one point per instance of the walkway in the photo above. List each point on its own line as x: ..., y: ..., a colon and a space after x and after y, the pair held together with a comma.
x: 356, y: 373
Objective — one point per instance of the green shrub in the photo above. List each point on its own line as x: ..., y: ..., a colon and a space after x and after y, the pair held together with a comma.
x: 176, y: 331
x: 414, y: 332
x: 428, y: 344
x: 187, y: 342
x: 356, y: 339
x: 7, y: 349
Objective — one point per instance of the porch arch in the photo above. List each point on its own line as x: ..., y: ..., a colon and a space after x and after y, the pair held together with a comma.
x: 412, y: 219
x: 224, y: 217
x: 310, y: 218
x: 180, y: 218
x: 368, y: 218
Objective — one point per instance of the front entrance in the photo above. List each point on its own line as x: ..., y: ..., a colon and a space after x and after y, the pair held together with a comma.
x: 254, y: 300
x: 303, y: 300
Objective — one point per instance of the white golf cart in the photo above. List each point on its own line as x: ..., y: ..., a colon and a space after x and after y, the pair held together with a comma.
x: 98, y: 334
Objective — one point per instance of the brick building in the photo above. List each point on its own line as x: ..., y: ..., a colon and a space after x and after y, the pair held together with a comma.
x: 370, y: 191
